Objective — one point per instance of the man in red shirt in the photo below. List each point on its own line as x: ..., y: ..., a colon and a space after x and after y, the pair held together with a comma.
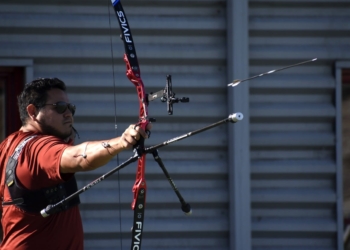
x: 39, y: 161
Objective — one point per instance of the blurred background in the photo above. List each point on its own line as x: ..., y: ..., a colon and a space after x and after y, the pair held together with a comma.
x: 279, y: 179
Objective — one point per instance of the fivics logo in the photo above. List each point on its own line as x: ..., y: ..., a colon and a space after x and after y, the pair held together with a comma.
x: 124, y: 26
x: 137, y: 237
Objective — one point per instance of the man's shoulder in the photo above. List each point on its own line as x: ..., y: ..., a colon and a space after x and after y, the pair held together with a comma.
x: 14, y: 139
x: 47, y: 139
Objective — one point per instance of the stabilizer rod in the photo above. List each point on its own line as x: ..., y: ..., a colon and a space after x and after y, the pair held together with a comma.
x: 233, y: 118
x: 53, y: 208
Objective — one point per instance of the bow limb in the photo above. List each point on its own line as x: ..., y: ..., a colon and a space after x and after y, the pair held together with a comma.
x: 134, y: 75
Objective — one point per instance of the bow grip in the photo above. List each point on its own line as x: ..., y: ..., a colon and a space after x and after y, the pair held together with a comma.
x: 139, y: 147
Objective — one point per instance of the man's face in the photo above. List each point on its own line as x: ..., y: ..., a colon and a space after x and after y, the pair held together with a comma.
x: 53, y: 123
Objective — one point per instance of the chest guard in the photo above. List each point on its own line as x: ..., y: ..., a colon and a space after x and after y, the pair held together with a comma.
x: 35, y: 200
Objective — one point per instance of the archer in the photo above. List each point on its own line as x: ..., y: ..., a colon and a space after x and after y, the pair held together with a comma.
x: 38, y: 164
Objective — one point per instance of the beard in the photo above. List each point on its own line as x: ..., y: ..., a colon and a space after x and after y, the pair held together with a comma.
x: 49, y: 130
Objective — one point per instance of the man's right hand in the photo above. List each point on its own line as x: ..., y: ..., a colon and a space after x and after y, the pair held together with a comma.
x: 131, y: 135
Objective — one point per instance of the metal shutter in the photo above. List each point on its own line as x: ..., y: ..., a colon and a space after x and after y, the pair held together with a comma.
x: 296, y: 171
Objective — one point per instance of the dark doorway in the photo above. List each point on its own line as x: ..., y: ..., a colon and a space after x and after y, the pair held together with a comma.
x: 11, y: 84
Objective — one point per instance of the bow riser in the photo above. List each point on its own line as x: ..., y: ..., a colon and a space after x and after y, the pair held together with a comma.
x: 140, y: 182
x: 137, y: 81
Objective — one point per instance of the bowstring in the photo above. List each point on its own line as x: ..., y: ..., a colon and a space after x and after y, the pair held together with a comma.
x: 115, y: 119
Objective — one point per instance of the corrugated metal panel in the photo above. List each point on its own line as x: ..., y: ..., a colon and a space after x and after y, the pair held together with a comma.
x: 295, y: 191
x: 239, y: 142
x: 71, y: 40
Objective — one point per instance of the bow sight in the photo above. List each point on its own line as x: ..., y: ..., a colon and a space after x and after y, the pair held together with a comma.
x: 167, y: 95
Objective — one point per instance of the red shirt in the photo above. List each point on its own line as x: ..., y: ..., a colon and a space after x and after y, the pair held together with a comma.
x: 38, y: 167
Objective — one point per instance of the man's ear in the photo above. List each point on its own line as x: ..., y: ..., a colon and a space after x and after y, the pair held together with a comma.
x: 32, y: 111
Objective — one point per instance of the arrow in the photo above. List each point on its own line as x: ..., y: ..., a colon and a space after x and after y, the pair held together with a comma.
x: 236, y: 82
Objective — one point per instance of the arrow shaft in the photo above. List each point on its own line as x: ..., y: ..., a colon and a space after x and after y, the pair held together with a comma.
x: 236, y: 82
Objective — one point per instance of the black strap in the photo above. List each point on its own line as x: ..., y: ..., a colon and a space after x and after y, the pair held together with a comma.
x: 35, y: 200
x: 12, y: 162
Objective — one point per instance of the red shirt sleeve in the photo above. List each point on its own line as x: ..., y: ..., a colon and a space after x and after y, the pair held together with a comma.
x: 39, y: 163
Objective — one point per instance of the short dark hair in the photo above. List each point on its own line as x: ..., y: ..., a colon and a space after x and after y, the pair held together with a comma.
x: 35, y: 92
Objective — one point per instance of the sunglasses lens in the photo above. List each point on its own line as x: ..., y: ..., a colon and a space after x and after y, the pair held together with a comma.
x: 71, y: 108
x: 61, y: 107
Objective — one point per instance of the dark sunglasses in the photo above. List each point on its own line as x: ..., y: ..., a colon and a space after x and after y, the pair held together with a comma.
x: 61, y: 107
